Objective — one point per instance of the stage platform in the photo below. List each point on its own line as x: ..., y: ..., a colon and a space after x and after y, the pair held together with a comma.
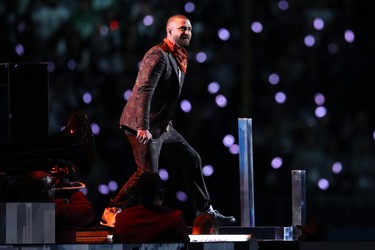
x: 263, y: 238
x: 248, y: 245
x: 98, y: 234
x: 250, y: 238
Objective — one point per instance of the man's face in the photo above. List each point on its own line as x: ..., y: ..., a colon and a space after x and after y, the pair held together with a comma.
x: 181, y: 32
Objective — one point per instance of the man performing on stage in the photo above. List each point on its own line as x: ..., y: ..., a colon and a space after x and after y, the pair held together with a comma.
x: 146, y: 121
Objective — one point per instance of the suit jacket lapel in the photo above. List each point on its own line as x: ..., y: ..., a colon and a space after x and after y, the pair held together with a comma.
x: 178, y: 71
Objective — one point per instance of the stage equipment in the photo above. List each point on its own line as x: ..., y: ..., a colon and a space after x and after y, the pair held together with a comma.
x: 72, y: 147
x: 24, y: 89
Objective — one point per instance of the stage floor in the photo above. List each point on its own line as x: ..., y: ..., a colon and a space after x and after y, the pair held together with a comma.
x: 248, y: 245
x: 97, y: 237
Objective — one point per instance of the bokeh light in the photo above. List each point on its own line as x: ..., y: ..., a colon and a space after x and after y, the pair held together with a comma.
x: 208, y: 170
x: 228, y: 140
x: 234, y: 149
x: 189, y: 7
x: 323, y: 184
x: 349, y: 36
x: 103, y: 189
x: 221, y: 101
x: 274, y: 79
x: 148, y: 20
x: 113, y: 186
x: 337, y: 167
x: 213, y: 87
x: 280, y: 97
x: 223, y: 34
x: 257, y: 27
x: 201, y: 57
x: 181, y: 196
x: 318, y: 23
x: 127, y: 94
x: 185, y: 106
x: 283, y: 5
x: 309, y: 40
x: 320, y: 112
x: 163, y: 173
x: 276, y: 162
x: 87, y: 98
x: 95, y: 128
x: 319, y: 99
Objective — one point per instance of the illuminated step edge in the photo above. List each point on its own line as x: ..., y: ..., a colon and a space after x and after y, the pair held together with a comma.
x: 220, y: 237
x: 260, y: 232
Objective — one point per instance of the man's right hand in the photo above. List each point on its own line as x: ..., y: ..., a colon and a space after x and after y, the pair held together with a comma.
x: 144, y: 136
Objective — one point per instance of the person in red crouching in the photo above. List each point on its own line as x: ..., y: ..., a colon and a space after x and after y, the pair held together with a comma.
x: 150, y: 221
x: 72, y: 209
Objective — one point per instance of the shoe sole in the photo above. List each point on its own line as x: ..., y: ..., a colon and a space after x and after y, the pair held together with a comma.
x: 105, y: 224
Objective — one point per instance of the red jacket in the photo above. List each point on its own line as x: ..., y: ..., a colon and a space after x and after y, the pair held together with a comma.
x: 156, y: 224
x: 78, y: 212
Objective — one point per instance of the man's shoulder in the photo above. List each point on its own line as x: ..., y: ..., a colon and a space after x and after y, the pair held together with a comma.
x: 156, y: 53
x: 161, y: 48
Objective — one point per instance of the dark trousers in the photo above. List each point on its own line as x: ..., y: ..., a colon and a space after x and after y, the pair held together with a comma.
x: 178, y: 153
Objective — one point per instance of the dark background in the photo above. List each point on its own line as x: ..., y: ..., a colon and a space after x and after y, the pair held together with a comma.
x: 89, y: 53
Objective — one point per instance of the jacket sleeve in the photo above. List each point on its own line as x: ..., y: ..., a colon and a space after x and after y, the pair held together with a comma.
x: 150, y: 71
x: 78, y: 212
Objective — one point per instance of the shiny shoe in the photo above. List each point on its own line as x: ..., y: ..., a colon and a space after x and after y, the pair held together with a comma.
x: 109, y: 216
x: 221, y: 219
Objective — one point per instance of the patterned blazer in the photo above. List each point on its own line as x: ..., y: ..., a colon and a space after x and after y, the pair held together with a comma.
x: 155, y: 93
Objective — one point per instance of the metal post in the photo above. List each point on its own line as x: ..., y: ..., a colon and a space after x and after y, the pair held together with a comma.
x: 246, y: 172
x: 298, y: 200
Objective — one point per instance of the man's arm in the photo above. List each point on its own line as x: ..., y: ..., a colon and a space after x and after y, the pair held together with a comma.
x: 150, y: 71
x: 77, y: 212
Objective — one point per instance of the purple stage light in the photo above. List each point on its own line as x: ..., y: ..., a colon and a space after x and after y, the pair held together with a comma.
x: 87, y: 98
x: 95, y: 128
x: 163, y: 173
x: 148, y: 20
x: 323, y: 184
x: 103, y: 189
x: 256, y: 27
x: 228, y: 140
x: 181, y: 196
x: 201, y: 57
x: 221, y: 101
x: 189, y: 7
x: 213, y: 87
x: 223, y: 34
x: 208, y: 170
x: 274, y: 79
x: 337, y: 167
x: 280, y: 97
x: 276, y: 162
x: 234, y: 149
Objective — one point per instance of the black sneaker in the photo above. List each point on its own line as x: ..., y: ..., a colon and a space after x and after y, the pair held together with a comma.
x: 221, y: 219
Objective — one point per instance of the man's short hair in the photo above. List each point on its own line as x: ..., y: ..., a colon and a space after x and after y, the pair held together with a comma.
x: 205, y: 224
x: 149, y: 183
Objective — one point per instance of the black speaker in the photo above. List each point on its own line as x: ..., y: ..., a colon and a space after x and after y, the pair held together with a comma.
x: 23, y: 101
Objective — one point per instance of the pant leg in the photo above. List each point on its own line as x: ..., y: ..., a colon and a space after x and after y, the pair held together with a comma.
x: 177, y: 152
x: 146, y: 157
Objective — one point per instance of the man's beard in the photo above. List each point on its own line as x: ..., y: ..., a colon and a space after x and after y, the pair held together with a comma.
x: 185, y: 42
